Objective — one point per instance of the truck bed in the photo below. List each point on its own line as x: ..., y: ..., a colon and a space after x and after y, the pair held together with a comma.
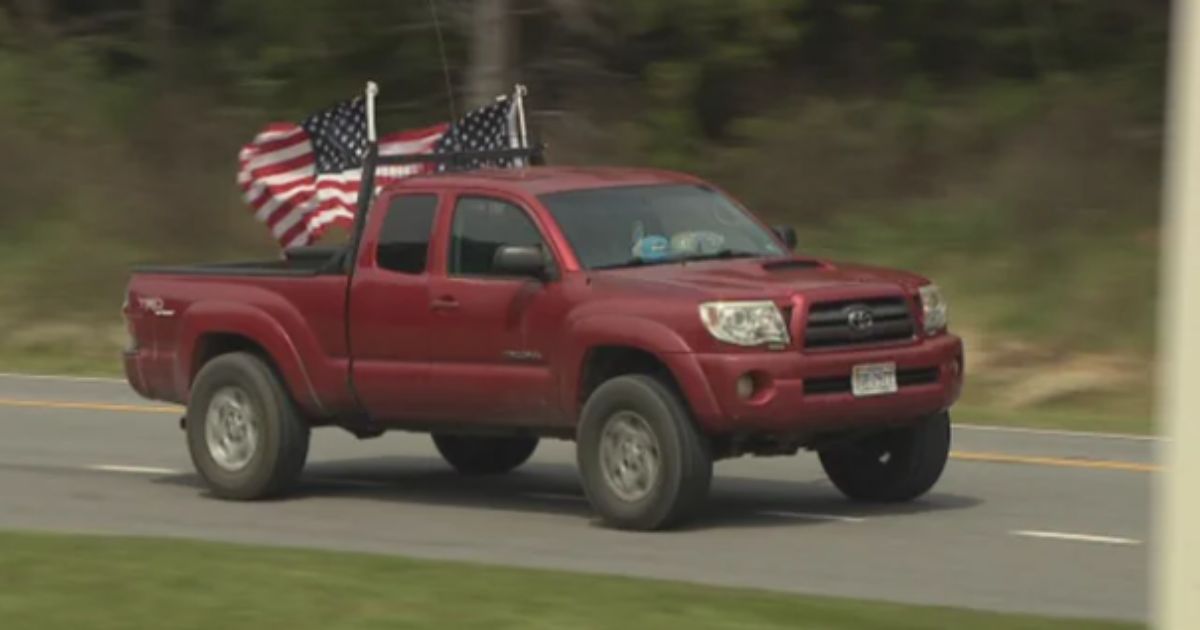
x: 298, y: 261
x: 293, y: 308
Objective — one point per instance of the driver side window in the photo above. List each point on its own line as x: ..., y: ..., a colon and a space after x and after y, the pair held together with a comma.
x: 481, y: 226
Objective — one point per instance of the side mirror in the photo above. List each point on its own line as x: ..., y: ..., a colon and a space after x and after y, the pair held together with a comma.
x: 787, y: 234
x: 520, y: 260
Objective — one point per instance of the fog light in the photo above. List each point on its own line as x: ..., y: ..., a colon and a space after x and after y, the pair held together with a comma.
x: 745, y: 387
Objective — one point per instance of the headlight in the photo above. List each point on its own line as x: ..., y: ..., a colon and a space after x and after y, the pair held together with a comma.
x: 745, y: 323
x: 933, y: 307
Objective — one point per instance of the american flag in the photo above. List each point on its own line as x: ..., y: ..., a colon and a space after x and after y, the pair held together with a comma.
x: 488, y: 128
x: 301, y: 179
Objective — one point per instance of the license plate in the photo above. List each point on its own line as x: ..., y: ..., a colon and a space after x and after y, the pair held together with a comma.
x: 873, y: 379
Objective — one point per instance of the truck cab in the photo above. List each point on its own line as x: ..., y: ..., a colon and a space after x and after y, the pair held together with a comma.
x: 644, y: 314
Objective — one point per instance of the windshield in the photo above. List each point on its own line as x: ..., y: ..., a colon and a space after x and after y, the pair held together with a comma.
x: 638, y: 225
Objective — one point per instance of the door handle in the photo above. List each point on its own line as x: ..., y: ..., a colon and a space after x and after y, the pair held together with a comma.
x: 444, y: 303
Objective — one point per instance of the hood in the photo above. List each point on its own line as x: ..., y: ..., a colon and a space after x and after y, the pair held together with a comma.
x: 775, y: 279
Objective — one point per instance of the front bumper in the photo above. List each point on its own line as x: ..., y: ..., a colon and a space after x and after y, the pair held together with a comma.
x: 802, y: 392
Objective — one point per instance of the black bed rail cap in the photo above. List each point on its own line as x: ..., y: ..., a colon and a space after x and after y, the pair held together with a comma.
x: 534, y: 154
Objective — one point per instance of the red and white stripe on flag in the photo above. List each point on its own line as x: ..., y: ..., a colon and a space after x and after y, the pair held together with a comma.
x: 278, y: 177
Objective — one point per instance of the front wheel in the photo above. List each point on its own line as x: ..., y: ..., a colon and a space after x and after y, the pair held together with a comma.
x: 894, y: 465
x: 644, y: 463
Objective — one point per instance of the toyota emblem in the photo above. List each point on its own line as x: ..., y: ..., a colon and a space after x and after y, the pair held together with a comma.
x: 860, y: 319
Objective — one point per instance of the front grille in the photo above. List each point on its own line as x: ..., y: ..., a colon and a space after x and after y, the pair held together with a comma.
x: 906, y: 377
x: 830, y: 323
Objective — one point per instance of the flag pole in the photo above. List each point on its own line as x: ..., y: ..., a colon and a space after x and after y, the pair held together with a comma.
x: 362, y: 425
x: 519, y: 92
x: 372, y: 91
x: 366, y: 188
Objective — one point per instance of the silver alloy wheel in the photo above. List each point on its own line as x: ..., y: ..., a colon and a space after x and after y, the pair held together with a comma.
x: 231, y: 428
x: 629, y: 456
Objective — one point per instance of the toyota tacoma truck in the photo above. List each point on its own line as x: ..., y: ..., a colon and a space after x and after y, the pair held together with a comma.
x: 643, y: 314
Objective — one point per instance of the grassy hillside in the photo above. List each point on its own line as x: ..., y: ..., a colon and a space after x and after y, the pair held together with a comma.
x: 1034, y: 206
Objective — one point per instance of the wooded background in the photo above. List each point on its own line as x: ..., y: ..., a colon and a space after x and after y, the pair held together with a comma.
x: 1008, y: 148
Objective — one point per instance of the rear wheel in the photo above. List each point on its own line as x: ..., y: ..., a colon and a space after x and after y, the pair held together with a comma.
x: 484, y: 455
x: 895, y: 465
x: 644, y: 463
x: 244, y: 433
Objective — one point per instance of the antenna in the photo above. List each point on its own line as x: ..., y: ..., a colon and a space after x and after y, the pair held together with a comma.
x: 437, y: 28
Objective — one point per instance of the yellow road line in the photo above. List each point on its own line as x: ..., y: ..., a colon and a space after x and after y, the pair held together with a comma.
x: 89, y: 406
x: 967, y: 456
x: 1060, y: 462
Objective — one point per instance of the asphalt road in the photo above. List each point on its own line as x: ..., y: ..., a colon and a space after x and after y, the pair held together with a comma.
x: 1022, y: 521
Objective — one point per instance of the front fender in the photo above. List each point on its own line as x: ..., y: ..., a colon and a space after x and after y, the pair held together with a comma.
x: 254, y: 324
x: 647, y: 335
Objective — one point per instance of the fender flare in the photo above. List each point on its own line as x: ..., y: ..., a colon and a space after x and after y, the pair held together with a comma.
x: 646, y: 335
x: 222, y: 317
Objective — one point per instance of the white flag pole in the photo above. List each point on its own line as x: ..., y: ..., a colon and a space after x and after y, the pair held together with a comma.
x: 372, y: 91
x: 519, y: 92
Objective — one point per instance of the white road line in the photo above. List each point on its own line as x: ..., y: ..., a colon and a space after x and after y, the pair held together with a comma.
x: 60, y: 377
x: 137, y: 470
x: 1091, y: 538
x: 815, y: 516
x: 1058, y: 432
x: 554, y: 496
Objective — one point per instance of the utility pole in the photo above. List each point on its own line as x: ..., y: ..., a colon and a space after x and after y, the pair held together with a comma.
x: 492, y: 50
x: 157, y: 33
x: 1177, y: 541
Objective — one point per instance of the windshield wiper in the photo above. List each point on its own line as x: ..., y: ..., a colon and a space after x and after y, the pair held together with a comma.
x: 722, y: 255
x: 636, y: 262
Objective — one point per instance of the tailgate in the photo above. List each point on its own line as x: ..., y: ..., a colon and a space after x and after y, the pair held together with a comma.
x: 147, y: 367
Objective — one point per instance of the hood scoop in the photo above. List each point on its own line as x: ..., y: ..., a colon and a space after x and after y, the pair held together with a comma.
x: 791, y: 263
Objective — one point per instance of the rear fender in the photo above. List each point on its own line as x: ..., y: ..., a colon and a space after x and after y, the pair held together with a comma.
x: 256, y: 325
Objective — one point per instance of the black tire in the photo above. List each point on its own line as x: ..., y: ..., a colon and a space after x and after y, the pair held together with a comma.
x: 282, y: 443
x: 896, y: 465
x: 484, y: 455
x: 684, y: 454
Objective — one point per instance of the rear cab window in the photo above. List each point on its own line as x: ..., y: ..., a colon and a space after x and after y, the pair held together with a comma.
x: 404, y: 234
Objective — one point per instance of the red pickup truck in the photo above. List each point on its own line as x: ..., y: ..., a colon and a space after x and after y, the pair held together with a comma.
x: 643, y: 314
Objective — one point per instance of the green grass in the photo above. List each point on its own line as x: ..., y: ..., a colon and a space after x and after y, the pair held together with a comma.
x: 1068, y: 419
x: 65, y: 361
x: 73, y: 582
x: 63, y: 346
